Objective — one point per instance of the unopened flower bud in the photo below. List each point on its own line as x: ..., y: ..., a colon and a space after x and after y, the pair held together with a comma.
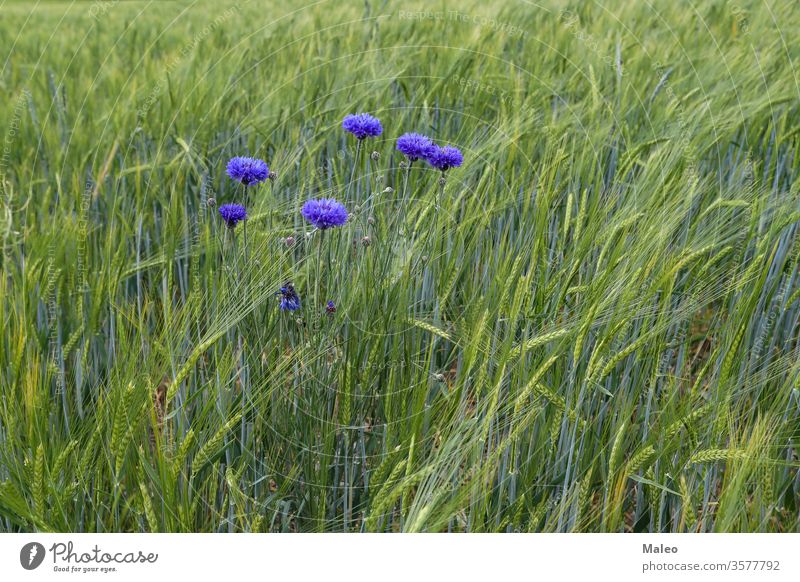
x: 366, y: 241
x: 388, y: 190
x: 211, y: 202
x: 272, y: 175
x: 289, y: 241
x: 371, y: 220
x: 375, y: 156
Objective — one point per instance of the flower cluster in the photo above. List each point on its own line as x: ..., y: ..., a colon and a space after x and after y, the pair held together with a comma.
x: 247, y: 171
x: 416, y: 146
x: 327, y: 213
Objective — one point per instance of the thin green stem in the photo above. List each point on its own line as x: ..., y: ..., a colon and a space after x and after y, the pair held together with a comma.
x: 353, y: 173
x: 317, y: 283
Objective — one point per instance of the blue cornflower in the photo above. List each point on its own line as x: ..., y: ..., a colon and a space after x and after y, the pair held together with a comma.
x: 414, y: 146
x: 290, y: 300
x: 444, y: 158
x: 331, y: 307
x: 324, y: 213
x: 362, y: 125
x: 248, y: 171
x: 232, y: 214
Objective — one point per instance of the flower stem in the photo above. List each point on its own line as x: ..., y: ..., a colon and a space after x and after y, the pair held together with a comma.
x: 438, y: 244
x: 319, y: 270
x: 353, y: 172
x: 247, y: 208
x: 403, y: 199
x: 438, y: 208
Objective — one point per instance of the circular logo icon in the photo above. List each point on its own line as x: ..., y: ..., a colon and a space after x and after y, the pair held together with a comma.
x: 31, y: 555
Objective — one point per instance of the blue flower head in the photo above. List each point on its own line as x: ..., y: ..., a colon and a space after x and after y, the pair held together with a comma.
x: 362, y: 125
x: 330, y: 307
x: 414, y: 146
x: 289, y: 299
x: 444, y: 158
x: 248, y: 171
x: 324, y: 213
x: 232, y: 214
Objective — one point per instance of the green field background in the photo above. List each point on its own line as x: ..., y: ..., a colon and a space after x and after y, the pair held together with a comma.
x: 592, y: 326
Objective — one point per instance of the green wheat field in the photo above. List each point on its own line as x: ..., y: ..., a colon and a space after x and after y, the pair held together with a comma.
x: 592, y: 325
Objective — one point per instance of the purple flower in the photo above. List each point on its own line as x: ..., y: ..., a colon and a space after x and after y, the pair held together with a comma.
x: 444, y: 158
x: 362, y: 125
x: 232, y: 214
x: 414, y: 146
x: 324, y: 213
x: 331, y: 307
x: 289, y: 300
x: 248, y: 171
